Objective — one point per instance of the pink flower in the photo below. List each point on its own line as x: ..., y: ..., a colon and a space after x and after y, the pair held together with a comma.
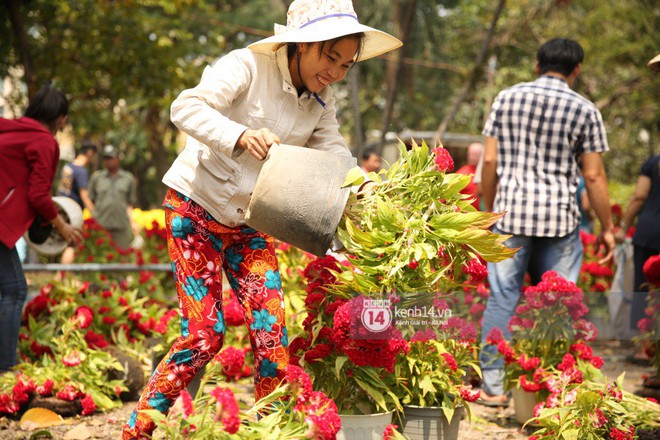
x: 538, y: 408
x: 388, y: 433
x: 187, y: 402
x: 73, y: 358
x: 69, y: 392
x: 585, y: 330
x: 443, y: 159
x: 226, y: 409
x: 598, y: 418
x: 494, y: 336
x: 527, y: 363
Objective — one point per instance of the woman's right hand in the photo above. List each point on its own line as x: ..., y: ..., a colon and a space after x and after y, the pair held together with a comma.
x: 70, y: 234
x: 258, y: 142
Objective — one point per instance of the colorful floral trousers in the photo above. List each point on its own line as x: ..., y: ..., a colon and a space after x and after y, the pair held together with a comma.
x: 200, y: 248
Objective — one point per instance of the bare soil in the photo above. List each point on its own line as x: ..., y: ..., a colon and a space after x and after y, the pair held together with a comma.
x: 486, y: 423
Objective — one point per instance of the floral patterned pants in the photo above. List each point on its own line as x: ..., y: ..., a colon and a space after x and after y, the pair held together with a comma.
x: 200, y: 248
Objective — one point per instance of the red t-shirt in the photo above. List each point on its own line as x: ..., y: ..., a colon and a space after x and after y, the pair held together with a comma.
x: 471, y: 189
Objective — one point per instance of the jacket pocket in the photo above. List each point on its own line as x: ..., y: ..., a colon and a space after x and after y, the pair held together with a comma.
x: 216, y: 165
x: 7, y: 197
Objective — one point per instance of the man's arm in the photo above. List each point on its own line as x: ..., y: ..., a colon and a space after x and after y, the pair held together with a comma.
x: 489, y: 173
x: 638, y: 199
x: 84, y: 196
x: 596, y: 182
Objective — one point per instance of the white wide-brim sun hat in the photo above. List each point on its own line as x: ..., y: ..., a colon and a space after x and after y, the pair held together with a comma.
x: 310, y: 21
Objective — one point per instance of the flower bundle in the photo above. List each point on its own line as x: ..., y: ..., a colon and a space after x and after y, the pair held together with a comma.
x: 595, y: 279
x: 548, y: 332
x: 592, y: 410
x: 414, y: 231
x: 292, y: 411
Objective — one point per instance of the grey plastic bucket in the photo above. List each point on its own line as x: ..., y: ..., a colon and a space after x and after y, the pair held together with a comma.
x: 430, y: 423
x: 298, y: 196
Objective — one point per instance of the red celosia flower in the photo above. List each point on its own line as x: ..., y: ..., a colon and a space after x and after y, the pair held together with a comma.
x: 226, y: 409
x: 46, y: 389
x: 7, y: 405
x: 318, y: 351
x: 300, y: 383
x: 537, y: 411
x: 567, y: 362
x: 233, y: 311
x: 585, y: 330
x: 106, y: 294
x: 600, y: 419
x: 531, y: 387
x: 617, y: 434
x: 597, y: 361
x: 507, y: 351
x: 652, y: 270
x: 476, y: 269
x: 39, y: 350
x: 83, y: 316
x: 95, y: 340
x: 443, y: 159
x: 494, y: 336
x: 109, y: 320
x: 527, y: 363
x: 450, y: 361
x: 414, y: 264
x: 88, y: 404
x: 232, y: 360
x: 468, y: 394
x: 21, y: 392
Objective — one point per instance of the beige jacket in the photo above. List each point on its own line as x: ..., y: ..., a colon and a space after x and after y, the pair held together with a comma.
x: 243, y: 90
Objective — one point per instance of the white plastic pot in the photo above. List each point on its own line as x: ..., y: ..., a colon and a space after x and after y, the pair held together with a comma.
x: 55, y: 244
x: 364, y: 427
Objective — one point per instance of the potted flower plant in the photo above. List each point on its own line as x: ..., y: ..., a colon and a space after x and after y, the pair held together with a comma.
x: 548, y: 331
x: 432, y: 373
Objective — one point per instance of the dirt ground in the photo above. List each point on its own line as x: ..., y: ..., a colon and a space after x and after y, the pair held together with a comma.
x: 487, y: 423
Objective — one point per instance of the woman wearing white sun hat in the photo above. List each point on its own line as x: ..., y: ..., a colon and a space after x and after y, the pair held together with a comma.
x: 276, y: 90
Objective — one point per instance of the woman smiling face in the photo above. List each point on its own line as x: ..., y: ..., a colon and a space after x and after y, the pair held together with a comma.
x: 316, y: 65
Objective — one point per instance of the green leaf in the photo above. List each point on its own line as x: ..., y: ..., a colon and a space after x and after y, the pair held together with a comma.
x: 339, y: 363
x: 354, y: 177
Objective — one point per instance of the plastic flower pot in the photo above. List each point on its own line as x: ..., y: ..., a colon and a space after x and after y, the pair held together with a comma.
x: 430, y: 423
x: 364, y: 427
x: 523, y: 404
x: 298, y: 196
x: 55, y: 244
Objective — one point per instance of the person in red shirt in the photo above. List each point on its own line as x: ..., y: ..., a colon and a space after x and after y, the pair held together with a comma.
x: 29, y: 154
x: 474, y: 152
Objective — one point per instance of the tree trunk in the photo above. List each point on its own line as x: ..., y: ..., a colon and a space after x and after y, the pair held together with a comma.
x: 155, y: 129
x: 22, y: 46
x: 395, y: 78
x: 358, y: 141
x: 475, y: 75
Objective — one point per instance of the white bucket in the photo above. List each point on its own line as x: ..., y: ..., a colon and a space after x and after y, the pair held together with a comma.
x: 55, y: 244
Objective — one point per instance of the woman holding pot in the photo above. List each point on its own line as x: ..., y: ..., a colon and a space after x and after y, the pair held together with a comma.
x: 276, y: 90
x: 29, y: 154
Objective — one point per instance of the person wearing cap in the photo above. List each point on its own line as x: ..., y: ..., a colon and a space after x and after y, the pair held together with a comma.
x: 29, y: 154
x: 276, y: 90
x: 113, y: 191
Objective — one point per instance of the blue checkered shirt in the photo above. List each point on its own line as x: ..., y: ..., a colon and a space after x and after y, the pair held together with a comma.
x: 542, y: 128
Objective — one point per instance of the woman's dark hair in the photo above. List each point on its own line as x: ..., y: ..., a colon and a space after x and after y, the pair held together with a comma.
x: 47, y: 105
x: 559, y: 55
x: 292, y: 48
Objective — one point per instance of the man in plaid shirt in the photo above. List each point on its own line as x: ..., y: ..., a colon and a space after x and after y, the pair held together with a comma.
x: 539, y: 137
